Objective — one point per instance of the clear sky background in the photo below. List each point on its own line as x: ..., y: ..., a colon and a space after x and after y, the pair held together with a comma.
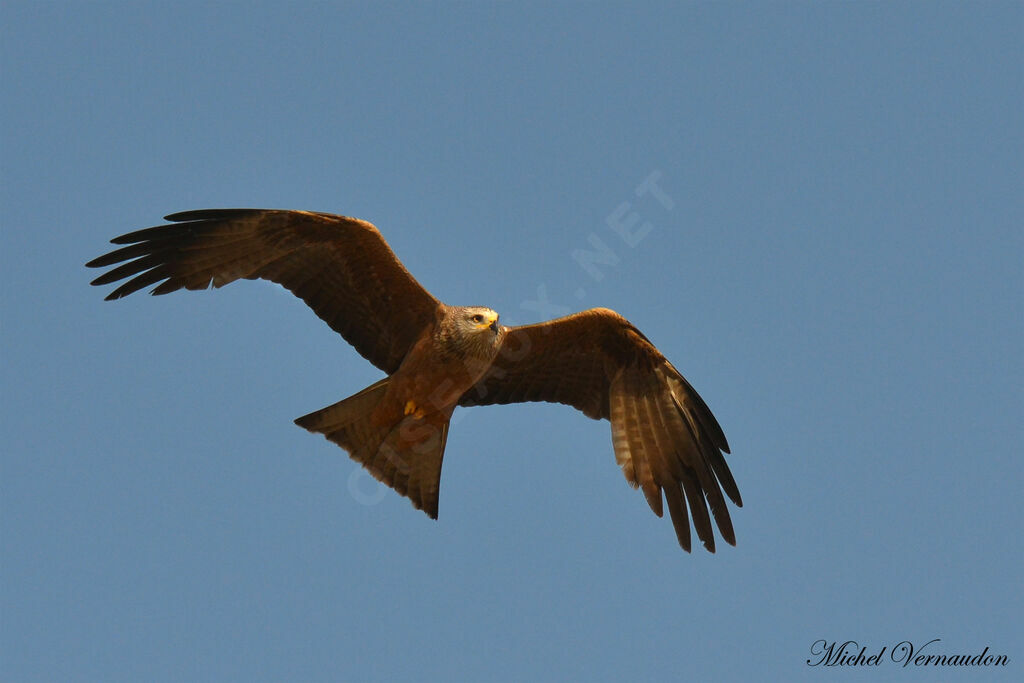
x: 838, y: 272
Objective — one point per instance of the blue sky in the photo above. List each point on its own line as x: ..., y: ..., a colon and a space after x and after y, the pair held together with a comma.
x: 837, y: 269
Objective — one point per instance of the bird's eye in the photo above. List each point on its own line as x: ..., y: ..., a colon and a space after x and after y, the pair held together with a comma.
x: 478, y: 318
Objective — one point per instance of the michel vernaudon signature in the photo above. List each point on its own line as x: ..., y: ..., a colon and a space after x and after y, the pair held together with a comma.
x: 904, y: 653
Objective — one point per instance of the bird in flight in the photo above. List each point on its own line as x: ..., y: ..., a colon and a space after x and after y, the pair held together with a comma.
x: 438, y: 357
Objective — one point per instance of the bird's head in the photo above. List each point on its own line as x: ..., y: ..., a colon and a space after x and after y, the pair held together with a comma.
x: 471, y: 331
x: 478, y: 319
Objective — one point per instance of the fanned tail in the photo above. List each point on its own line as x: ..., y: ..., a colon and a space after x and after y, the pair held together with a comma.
x: 403, y: 451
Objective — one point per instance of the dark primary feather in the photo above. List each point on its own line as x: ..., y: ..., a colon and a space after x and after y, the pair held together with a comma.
x: 340, y: 266
x: 666, y: 439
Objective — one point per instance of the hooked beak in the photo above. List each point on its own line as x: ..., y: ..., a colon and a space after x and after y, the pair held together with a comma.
x: 494, y: 326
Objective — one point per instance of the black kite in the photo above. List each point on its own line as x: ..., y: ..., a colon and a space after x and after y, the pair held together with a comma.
x: 438, y: 357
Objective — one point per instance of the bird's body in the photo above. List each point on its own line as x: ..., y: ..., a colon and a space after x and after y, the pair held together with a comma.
x: 438, y: 357
x: 397, y: 430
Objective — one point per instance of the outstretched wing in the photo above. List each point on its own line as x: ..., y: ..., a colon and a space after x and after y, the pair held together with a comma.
x: 666, y: 440
x: 341, y: 267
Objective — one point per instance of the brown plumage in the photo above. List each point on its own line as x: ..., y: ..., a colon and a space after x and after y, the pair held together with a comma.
x: 438, y: 357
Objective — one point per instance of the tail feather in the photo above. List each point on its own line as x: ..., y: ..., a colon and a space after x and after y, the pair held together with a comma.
x: 403, y: 451
x: 345, y: 413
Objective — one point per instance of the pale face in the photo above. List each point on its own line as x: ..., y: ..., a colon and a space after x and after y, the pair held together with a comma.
x: 474, y: 330
x: 478, y: 318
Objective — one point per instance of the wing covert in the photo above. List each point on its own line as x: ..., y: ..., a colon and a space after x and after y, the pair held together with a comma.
x: 666, y: 440
x: 340, y: 266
